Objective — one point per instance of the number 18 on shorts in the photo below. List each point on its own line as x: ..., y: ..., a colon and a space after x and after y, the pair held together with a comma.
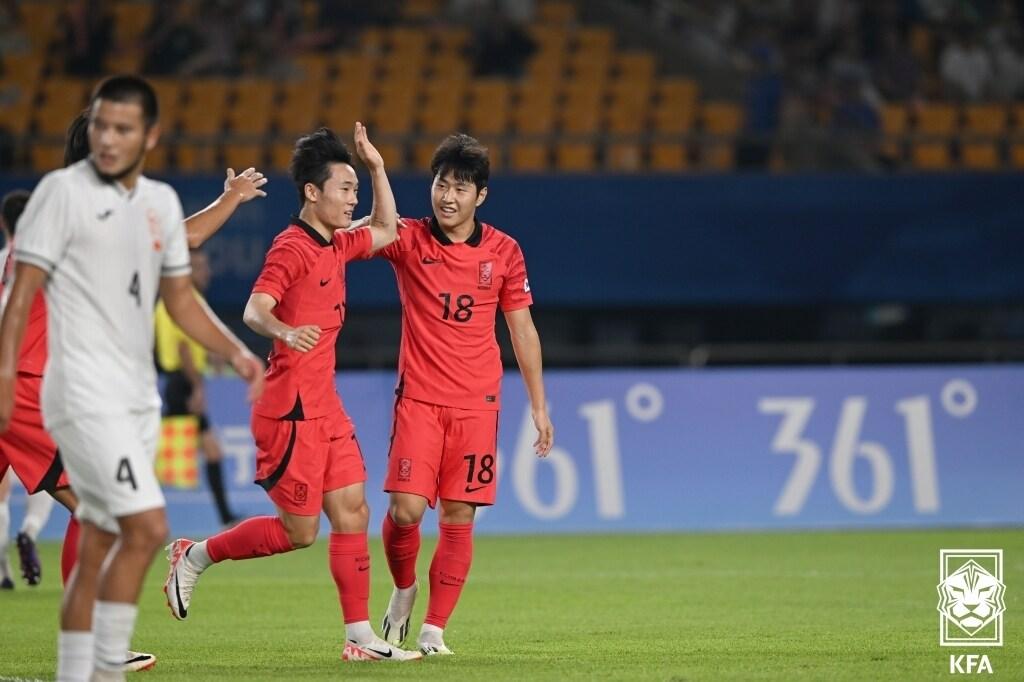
x: 444, y: 452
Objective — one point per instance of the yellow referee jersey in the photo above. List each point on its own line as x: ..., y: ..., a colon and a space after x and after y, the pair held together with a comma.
x: 169, y: 335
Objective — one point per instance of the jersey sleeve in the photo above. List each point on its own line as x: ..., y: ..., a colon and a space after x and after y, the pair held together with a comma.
x: 354, y: 244
x: 515, y: 291
x: 176, y: 259
x: 283, y: 266
x: 45, y: 228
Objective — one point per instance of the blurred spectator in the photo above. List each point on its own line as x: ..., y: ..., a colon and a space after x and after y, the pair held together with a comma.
x: 170, y: 39
x: 965, y: 66
x: 218, y: 30
x: 1006, y: 41
x: 85, y: 26
x: 500, y: 44
x: 763, y: 101
x: 896, y: 72
x: 12, y: 36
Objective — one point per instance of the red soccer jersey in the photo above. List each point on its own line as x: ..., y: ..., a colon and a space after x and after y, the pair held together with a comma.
x: 32, y: 356
x: 305, y: 274
x: 450, y: 296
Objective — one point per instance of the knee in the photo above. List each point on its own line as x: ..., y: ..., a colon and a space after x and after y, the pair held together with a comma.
x: 148, y: 536
x: 404, y: 515
x: 303, y: 536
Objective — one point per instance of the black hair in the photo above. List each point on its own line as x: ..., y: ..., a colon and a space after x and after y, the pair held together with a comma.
x: 76, y: 140
x: 464, y: 157
x: 127, y: 88
x: 12, y: 208
x: 312, y: 159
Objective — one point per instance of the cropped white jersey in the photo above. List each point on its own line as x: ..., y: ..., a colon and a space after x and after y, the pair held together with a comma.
x: 105, y: 249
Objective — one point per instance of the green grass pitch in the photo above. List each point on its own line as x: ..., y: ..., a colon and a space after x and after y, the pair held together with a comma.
x: 772, y: 606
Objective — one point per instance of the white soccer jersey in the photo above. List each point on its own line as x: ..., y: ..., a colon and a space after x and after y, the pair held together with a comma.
x: 105, y: 249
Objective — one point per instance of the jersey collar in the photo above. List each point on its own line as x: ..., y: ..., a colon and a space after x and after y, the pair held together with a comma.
x: 311, y: 231
x: 474, y: 238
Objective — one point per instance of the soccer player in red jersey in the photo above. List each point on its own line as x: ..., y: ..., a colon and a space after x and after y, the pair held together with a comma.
x: 454, y: 273
x: 26, y: 447
x: 308, y: 458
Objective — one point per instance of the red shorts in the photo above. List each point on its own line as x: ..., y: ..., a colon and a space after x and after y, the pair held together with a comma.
x: 298, y: 461
x: 443, y: 452
x: 26, y: 446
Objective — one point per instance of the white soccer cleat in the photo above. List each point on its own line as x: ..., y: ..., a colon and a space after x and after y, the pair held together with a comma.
x: 435, y: 649
x: 395, y: 626
x: 377, y: 650
x: 181, y: 579
x: 138, y: 661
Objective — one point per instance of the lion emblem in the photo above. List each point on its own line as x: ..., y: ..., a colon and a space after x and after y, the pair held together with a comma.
x: 971, y: 597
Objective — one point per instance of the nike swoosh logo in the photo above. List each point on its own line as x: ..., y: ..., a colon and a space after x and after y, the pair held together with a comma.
x: 473, y: 489
x: 385, y: 654
x: 177, y: 595
x: 431, y: 261
x: 363, y: 568
x: 106, y: 214
x: 325, y: 282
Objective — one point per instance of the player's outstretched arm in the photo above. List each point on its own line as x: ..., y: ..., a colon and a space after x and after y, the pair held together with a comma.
x: 238, y: 189
x: 384, y: 214
x: 526, y: 343
x: 199, y: 323
x: 259, y: 317
x: 27, y: 281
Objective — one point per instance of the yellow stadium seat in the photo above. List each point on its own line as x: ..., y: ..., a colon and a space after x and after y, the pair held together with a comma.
x: 583, y: 93
x: 673, y: 118
x: 594, y: 39
x: 624, y: 157
x: 985, y: 119
x: 281, y: 156
x: 623, y: 120
x: 196, y: 157
x: 721, y: 118
x: 450, y: 39
x: 23, y: 69
x: 669, y: 157
x: 203, y: 114
x: 528, y: 156
x: 533, y: 119
x: 15, y: 116
x: 440, y: 119
x: 392, y: 120
x: 422, y: 153
x: 40, y: 21
x: 47, y: 157
x: 580, y: 119
x: 407, y: 39
x: 718, y: 156
x: 931, y: 156
x: 156, y: 159
x: 420, y: 9
x: 242, y: 156
x: 314, y: 67
x: 681, y: 91
x: 482, y: 119
x: 937, y: 119
x: 980, y: 156
x: 1017, y: 155
x: 546, y: 67
x: 588, y: 66
x: 131, y: 20
x: 549, y: 38
x: 253, y: 106
x: 1018, y: 117
x: 393, y: 155
x: 557, y: 12
x: 635, y: 66
x: 894, y: 119
x: 295, y: 118
x: 575, y: 157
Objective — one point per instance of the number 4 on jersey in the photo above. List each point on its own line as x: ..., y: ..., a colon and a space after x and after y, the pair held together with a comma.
x: 135, y: 290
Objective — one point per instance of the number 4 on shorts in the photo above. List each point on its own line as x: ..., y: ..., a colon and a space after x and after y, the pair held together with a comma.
x: 124, y: 473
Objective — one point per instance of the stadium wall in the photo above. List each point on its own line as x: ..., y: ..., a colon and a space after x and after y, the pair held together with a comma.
x: 703, y: 240
x: 697, y: 450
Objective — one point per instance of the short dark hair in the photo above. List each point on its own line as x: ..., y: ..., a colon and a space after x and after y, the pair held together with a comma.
x: 127, y: 88
x: 312, y: 159
x: 76, y: 140
x: 465, y: 157
x: 12, y: 208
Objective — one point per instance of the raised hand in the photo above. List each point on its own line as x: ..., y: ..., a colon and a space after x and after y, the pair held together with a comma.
x: 366, y: 151
x: 247, y: 184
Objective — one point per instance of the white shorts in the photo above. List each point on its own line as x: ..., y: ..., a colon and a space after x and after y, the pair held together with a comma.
x: 110, y: 464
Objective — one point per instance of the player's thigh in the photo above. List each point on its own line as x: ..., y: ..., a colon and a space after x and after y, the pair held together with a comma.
x: 109, y: 459
x: 27, y: 446
x: 469, y: 467
x: 417, y: 444
x: 345, y: 464
x: 291, y: 457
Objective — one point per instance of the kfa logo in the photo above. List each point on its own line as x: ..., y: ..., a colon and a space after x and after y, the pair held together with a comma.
x: 971, y: 604
x: 484, y: 279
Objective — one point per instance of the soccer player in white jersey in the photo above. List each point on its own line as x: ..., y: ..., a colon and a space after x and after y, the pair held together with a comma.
x: 105, y: 240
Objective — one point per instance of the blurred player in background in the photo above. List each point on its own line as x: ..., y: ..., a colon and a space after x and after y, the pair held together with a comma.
x: 184, y: 363
x: 37, y: 505
x: 454, y: 273
x: 308, y: 458
x: 102, y: 268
